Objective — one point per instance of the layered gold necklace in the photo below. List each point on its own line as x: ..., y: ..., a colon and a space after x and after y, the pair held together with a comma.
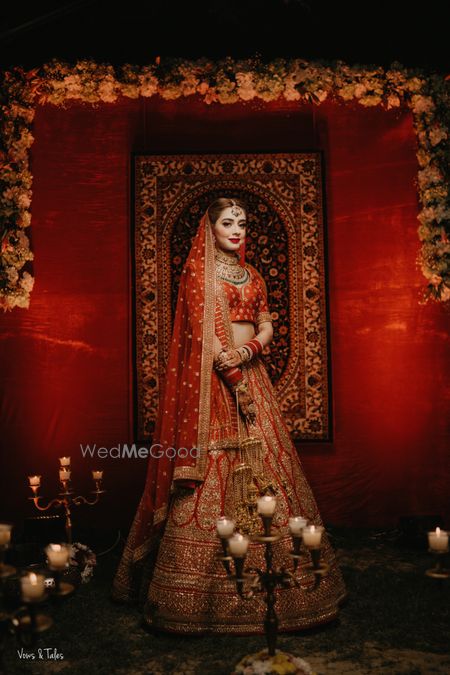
x: 229, y: 269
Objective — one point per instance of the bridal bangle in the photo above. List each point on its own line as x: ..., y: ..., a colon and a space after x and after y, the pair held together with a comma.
x: 232, y: 376
x: 250, y: 349
x: 245, y: 352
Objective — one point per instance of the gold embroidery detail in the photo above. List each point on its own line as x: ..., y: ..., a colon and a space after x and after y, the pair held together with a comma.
x: 263, y: 316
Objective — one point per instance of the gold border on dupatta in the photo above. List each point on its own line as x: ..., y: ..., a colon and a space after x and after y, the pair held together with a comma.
x: 197, y: 472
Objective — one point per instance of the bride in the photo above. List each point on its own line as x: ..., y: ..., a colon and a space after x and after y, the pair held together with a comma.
x: 228, y: 442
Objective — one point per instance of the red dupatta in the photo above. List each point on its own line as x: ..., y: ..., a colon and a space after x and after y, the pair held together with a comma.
x: 181, y: 433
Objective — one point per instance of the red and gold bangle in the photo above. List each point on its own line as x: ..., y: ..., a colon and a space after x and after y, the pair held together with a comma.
x: 232, y: 375
x: 255, y: 346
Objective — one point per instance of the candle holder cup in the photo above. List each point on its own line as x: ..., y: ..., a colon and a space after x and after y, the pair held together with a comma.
x: 439, y: 571
x: 226, y: 558
x: 317, y: 566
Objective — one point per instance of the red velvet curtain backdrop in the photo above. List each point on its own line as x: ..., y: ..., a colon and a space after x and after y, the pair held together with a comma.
x: 66, y: 362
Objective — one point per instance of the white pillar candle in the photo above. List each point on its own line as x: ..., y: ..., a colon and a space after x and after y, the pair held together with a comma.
x: 5, y: 534
x: 225, y: 526
x: 312, y: 535
x: 58, y: 555
x: 64, y: 474
x: 296, y: 524
x: 34, y: 481
x: 97, y: 475
x: 32, y: 586
x: 238, y: 545
x: 64, y: 461
x: 266, y: 505
x: 438, y: 540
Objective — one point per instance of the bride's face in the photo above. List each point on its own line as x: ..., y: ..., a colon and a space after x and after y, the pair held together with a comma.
x: 229, y: 229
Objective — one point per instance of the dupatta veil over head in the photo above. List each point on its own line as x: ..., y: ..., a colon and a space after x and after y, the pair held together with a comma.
x: 179, y: 448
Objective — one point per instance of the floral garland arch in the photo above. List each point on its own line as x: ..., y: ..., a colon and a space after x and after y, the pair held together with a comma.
x: 224, y: 81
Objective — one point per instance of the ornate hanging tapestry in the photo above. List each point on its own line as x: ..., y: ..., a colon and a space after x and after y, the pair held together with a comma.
x: 285, y: 242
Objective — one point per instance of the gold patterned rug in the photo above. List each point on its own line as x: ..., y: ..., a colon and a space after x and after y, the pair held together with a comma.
x: 285, y: 242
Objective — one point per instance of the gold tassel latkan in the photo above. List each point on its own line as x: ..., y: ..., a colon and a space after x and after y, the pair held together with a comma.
x: 250, y: 483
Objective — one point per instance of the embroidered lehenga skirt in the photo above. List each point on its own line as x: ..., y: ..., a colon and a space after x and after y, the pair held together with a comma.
x: 185, y: 587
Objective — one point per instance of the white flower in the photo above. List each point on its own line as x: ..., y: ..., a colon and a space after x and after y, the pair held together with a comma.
x: 27, y: 282
x: 422, y: 104
x: 24, y: 219
x: 12, y: 275
x: 246, y: 86
x: 170, y: 92
x: 370, y: 100
x: 393, y: 101
x: 202, y: 87
x: 429, y: 175
x: 423, y: 157
x: 359, y: 90
x: 261, y: 667
x: 414, y: 84
x: 23, y: 239
x: 291, y: 94
x: 347, y: 92
x: 107, y: 90
x: 211, y: 96
x: 321, y: 94
x: 72, y: 84
x: 437, y: 134
x: 24, y: 200
x: 427, y: 215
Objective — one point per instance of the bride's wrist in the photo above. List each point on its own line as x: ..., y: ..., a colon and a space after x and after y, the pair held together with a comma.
x: 232, y: 376
x: 250, y: 349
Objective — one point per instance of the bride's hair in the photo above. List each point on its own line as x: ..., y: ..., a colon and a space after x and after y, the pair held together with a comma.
x: 215, y: 209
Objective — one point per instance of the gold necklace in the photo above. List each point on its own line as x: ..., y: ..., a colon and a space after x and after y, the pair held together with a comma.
x: 229, y: 269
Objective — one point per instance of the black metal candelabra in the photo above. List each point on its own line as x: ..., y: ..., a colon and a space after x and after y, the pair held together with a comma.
x: 252, y: 580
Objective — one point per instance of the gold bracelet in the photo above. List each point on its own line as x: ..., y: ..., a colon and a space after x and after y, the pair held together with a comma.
x: 245, y: 353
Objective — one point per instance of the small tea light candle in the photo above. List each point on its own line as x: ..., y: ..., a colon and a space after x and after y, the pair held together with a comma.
x: 312, y: 535
x: 266, y: 505
x: 58, y: 555
x: 225, y: 526
x: 64, y: 461
x: 34, y: 481
x: 5, y: 534
x: 64, y: 474
x: 32, y: 587
x: 97, y: 475
x: 296, y: 524
x: 438, y: 540
x: 238, y: 545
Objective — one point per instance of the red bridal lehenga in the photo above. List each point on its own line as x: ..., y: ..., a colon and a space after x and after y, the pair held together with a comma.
x: 169, y: 564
